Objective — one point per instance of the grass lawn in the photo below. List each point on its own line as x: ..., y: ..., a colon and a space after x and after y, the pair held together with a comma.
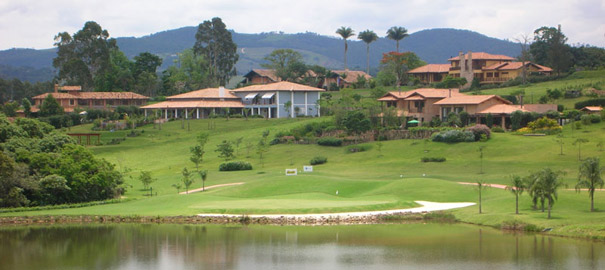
x: 391, y: 178
x: 578, y: 81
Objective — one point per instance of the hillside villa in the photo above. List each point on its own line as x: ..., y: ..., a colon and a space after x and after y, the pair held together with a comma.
x: 487, y: 68
x: 342, y: 78
x: 426, y: 103
x: 273, y: 100
x: 72, y: 97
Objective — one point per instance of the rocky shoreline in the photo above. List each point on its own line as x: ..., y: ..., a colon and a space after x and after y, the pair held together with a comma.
x: 218, y: 219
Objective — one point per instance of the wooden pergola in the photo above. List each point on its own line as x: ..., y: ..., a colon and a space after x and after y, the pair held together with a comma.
x: 87, y: 135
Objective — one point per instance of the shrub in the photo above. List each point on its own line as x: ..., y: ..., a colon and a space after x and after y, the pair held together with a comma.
x: 433, y: 159
x: 328, y: 141
x: 542, y: 125
x: 358, y: 148
x: 595, y: 118
x: 498, y: 129
x: 235, y: 166
x: 479, y: 130
x: 318, y: 160
x: 585, y: 119
x: 453, y: 136
x: 590, y: 102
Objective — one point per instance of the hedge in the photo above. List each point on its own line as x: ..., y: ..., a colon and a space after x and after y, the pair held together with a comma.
x: 318, y: 160
x: 329, y: 141
x: 432, y: 159
x: 590, y: 102
x: 235, y: 166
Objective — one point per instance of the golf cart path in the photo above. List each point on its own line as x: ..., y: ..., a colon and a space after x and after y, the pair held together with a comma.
x: 211, y: 187
x: 426, y: 207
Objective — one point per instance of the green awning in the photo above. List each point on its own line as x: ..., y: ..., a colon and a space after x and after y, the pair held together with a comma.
x: 413, y: 122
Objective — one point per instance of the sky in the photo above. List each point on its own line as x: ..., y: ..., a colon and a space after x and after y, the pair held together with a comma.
x: 35, y: 23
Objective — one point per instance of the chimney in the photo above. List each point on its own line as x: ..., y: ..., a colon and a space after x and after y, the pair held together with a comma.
x: 221, y: 91
x: 461, y: 57
x: 450, y: 92
x: 56, y: 87
x: 470, y: 60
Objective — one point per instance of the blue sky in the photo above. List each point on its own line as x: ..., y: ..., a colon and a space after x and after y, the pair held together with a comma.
x: 34, y: 23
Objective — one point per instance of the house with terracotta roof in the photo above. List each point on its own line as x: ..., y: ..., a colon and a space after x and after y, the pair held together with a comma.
x: 260, y: 76
x: 71, y: 97
x: 592, y: 109
x: 426, y: 103
x: 346, y: 78
x: 486, y: 67
x: 280, y: 99
x: 430, y: 73
x: 274, y: 100
x: 196, y: 104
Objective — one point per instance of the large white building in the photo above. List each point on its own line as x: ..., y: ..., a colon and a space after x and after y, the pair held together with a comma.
x: 274, y: 100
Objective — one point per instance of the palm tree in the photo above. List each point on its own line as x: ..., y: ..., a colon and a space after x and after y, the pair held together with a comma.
x: 590, y: 178
x: 481, y: 185
x: 368, y: 36
x: 517, y: 187
x: 345, y: 32
x: 549, y: 183
x: 397, y: 33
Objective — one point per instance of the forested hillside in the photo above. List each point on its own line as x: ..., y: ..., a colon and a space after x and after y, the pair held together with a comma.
x: 433, y: 46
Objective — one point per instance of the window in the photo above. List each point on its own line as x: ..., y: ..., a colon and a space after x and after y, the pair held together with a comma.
x: 505, y: 73
x: 489, y: 74
x: 72, y: 102
x: 458, y: 109
x: 496, y: 74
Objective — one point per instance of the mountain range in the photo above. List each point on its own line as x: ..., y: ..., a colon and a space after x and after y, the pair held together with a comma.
x: 432, y: 46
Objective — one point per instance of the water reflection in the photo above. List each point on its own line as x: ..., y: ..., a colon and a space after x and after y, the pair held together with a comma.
x: 408, y: 246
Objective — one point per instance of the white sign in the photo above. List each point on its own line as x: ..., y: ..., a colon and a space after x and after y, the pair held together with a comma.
x: 308, y: 168
x: 290, y: 172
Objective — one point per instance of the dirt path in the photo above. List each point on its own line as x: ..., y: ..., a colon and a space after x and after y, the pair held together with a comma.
x: 491, y: 185
x: 211, y: 187
x: 426, y: 207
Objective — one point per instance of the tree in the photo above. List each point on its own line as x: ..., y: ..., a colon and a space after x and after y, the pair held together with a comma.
x: 560, y: 141
x: 146, y: 62
x: 398, y: 64
x: 525, y: 56
x: 203, y: 175
x: 197, y: 155
x: 188, y: 74
x: 287, y: 64
x: 481, y: 158
x: 83, y: 57
x: 489, y: 120
x: 215, y: 43
x: 589, y: 177
x: 27, y: 107
x: 262, y: 147
x: 356, y: 122
x: 579, y: 142
x: 345, y: 32
x: 187, y: 179
x: 481, y: 185
x: 549, y: 49
x: 118, y: 75
x: 288, y: 107
x: 517, y: 186
x: 225, y: 150
x: 451, y: 82
x: 50, y: 106
x: 548, y: 183
x: 368, y: 36
x: 146, y: 179
x: 397, y: 33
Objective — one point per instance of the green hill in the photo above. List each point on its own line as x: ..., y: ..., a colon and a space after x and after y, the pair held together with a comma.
x: 433, y: 46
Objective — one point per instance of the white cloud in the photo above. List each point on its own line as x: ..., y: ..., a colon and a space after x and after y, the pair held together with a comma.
x: 34, y: 23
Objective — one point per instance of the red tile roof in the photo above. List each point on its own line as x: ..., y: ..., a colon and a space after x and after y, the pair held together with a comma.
x: 269, y: 73
x: 515, y: 66
x: 469, y: 99
x: 110, y: 95
x: 592, y: 108
x: 278, y: 86
x: 425, y: 92
x: 502, y: 109
x: 70, y: 88
x: 432, y: 68
x: 205, y: 93
x: 195, y: 104
x: 56, y: 96
x: 351, y: 75
x: 484, y: 56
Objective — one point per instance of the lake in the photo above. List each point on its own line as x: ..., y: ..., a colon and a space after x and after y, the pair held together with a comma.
x: 384, y: 246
